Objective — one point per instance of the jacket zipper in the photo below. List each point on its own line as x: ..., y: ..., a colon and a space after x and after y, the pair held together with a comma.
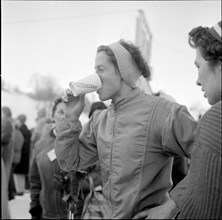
x: 111, y: 169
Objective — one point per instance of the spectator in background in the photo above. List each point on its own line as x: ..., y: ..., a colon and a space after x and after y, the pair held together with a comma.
x: 22, y: 169
x: 48, y: 183
x: 18, y: 144
x: 7, y: 133
x: 46, y: 195
x: 7, y: 136
x: 40, y: 122
x: 37, y: 132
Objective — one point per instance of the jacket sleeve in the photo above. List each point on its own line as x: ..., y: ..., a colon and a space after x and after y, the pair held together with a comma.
x: 75, y: 148
x: 180, y: 190
x: 95, y: 173
x: 178, y: 131
x: 35, y: 189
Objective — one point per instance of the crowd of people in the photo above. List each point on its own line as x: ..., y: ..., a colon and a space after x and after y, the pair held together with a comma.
x: 15, y: 151
x: 150, y: 157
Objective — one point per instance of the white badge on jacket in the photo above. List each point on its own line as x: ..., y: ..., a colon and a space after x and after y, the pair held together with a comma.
x: 51, y: 154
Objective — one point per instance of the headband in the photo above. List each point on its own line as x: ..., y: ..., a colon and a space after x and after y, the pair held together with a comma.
x: 215, y: 31
x: 127, y: 66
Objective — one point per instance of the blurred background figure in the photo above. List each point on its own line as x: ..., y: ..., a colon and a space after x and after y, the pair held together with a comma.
x: 7, y: 133
x: 22, y: 169
x: 40, y: 122
x: 7, y: 136
x: 18, y: 144
x: 37, y: 131
x: 5, y: 214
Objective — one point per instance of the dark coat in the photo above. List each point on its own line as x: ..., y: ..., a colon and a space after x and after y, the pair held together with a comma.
x: 23, y: 165
x: 18, y: 144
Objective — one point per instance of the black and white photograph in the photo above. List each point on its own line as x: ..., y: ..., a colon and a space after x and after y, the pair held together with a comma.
x: 111, y: 109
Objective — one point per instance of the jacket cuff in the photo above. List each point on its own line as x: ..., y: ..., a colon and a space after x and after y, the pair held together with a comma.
x: 74, y: 128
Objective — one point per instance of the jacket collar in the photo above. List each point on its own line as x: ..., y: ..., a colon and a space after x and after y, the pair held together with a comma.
x: 135, y: 92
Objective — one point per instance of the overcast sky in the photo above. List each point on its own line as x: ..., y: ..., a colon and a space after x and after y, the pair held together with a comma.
x: 60, y: 38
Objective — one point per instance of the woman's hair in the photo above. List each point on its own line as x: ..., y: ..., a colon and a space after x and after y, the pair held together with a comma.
x: 54, y: 106
x: 135, y: 53
x: 209, y: 46
x: 7, y: 111
x: 96, y: 106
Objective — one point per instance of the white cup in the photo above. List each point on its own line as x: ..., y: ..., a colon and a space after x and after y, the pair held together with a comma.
x: 90, y: 83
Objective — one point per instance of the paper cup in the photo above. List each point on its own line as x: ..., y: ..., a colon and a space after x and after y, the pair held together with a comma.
x: 90, y: 83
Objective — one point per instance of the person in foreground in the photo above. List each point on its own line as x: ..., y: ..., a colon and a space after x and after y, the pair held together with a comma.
x: 198, y: 195
x: 134, y: 139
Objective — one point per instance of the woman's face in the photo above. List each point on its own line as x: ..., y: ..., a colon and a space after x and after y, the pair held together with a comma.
x: 209, y: 78
x: 58, y: 112
x: 111, y: 80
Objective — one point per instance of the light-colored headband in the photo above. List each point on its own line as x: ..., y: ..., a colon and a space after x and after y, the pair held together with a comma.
x: 127, y: 66
x: 215, y: 31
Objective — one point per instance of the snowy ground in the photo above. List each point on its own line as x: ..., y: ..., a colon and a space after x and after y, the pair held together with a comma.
x: 19, y: 207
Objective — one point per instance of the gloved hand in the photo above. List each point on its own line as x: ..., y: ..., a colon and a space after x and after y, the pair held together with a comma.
x: 61, y: 181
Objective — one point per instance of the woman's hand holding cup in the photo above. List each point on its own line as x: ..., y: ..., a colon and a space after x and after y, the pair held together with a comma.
x: 73, y: 106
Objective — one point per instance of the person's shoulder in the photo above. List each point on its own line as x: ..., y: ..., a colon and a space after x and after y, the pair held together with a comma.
x: 40, y: 144
x: 216, y: 107
x: 167, y: 104
x: 25, y: 129
x: 213, y: 114
x: 98, y: 114
x: 212, y: 118
x: 6, y: 122
x: 210, y: 129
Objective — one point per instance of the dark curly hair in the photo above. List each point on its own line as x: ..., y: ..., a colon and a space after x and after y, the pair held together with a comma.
x: 210, y: 47
x: 96, y: 106
x: 135, y: 53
